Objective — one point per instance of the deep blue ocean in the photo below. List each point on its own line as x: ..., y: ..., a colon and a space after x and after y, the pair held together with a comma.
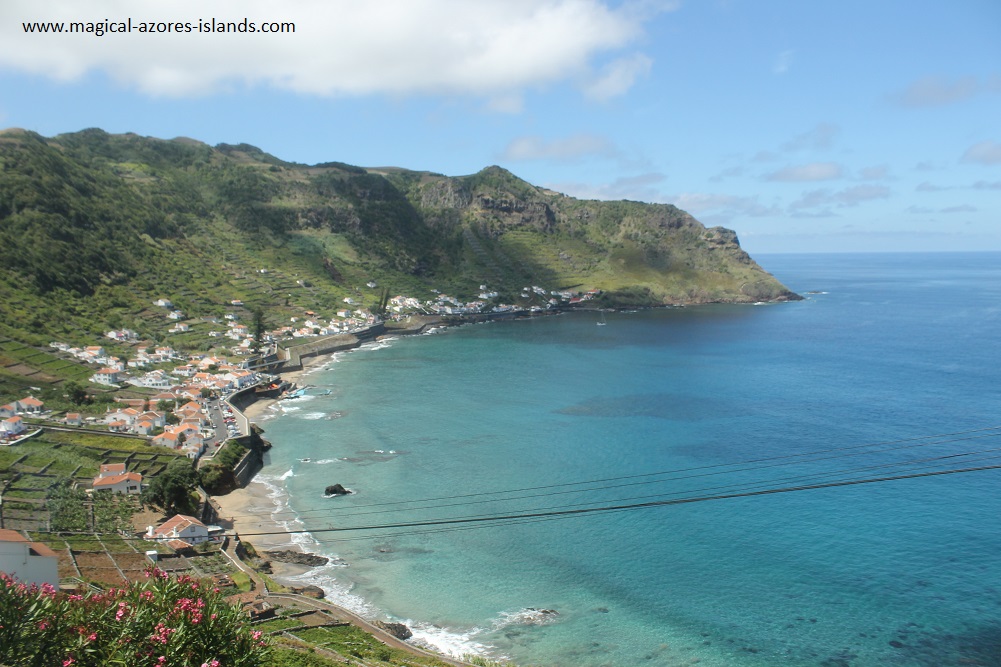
x: 890, y: 367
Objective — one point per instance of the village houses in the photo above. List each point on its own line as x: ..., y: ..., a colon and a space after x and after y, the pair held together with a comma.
x: 115, y: 478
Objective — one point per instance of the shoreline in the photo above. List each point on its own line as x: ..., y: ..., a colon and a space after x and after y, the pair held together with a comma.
x: 250, y: 513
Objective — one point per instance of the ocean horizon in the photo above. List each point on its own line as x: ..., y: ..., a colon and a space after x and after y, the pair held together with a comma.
x: 887, y: 369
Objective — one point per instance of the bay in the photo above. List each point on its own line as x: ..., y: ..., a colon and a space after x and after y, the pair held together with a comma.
x: 512, y: 418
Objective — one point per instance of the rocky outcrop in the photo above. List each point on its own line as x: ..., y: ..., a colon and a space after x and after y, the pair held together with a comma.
x: 297, y: 558
x: 398, y: 630
x: 336, y: 490
x: 314, y: 592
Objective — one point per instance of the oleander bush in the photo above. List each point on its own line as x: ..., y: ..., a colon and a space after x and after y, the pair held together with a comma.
x: 158, y: 622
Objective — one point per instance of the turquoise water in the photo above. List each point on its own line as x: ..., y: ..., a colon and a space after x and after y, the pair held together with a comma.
x: 462, y: 422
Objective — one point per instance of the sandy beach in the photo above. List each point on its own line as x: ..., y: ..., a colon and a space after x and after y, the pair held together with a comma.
x: 258, y: 408
x: 249, y: 510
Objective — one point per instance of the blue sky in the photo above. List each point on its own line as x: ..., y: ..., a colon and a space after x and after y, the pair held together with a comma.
x: 805, y: 126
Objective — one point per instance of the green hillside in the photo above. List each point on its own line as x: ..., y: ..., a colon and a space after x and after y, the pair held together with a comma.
x: 98, y: 226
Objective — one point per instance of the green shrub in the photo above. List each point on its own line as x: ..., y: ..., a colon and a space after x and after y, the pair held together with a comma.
x: 157, y: 622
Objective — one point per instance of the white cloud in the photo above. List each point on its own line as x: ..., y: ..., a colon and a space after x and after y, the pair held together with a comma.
x: 857, y: 194
x: 933, y: 91
x: 509, y: 103
x: 490, y: 48
x: 925, y: 186
x: 783, y: 62
x: 820, y: 137
x: 617, y: 77
x: 987, y: 185
x: 567, y: 149
x: 962, y: 208
x: 847, y: 197
x: 722, y: 205
x: 877, y: 172
x: 814, y: 171
x: 641, y: 187
x: 985, y: 152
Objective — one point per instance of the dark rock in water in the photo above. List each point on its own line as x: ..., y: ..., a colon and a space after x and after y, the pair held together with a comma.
x: 398, y: 630
x: 545, y: 612
x: 896, y: 644
x: 336, y: 490
x: 310, y: 591
x: 298, y: 558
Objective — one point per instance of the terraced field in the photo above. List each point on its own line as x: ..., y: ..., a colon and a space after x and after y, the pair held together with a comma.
x: 30, y: 470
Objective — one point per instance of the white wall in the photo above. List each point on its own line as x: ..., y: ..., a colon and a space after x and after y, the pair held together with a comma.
x: 16, y: 560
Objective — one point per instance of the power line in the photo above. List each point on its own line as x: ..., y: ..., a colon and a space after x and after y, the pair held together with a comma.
x: 716, y: 469
x: 633, y: 506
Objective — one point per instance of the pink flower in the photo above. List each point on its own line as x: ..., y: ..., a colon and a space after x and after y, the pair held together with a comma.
x: 256, y: 634
x: 68, y: 661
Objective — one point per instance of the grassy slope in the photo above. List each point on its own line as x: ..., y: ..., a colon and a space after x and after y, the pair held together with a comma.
x: 100, y: 225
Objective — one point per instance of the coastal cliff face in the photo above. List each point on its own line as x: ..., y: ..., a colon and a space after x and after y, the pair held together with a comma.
x: 121, y: 218
x: 644, y: 254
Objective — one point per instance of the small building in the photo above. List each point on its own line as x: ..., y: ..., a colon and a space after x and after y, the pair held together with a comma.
x: 29, y: 405
x: 74, y: 419
x: 129, y: 483
x: 107, y: 375
x: 185, y: 528
x: 111, y: 470
x: 28, y: 562
x: 12, y: 426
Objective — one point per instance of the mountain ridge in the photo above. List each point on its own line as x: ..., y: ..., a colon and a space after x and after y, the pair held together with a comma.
x: 102, y: 223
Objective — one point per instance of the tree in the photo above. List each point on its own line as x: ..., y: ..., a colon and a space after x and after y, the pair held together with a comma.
x: 76, y: 393
x: 67, y: 510
x: 205, y: 392
x: 260, y: 326
x: 171, y: 489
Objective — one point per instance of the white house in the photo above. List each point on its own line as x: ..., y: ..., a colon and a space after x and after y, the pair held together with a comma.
x: 28, y: 562
x: 29, y: 405
x: 111, y: 469
x: 186, y: 529
x: 12, y: 426
x: 106, y: 376
x: 163, y: 303
x: 129, y: 483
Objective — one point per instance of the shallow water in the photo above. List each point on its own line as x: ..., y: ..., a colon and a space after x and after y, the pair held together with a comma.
x: 509, y: 418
